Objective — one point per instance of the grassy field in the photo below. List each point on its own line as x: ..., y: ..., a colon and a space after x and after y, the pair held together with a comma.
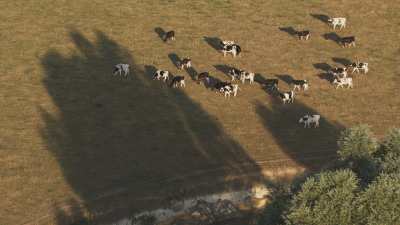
x: 75, y: 141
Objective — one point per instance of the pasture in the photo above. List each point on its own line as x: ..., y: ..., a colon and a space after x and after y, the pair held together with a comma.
x: 77, y: 142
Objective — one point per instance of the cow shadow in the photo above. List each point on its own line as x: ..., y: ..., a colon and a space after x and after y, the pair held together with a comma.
x: 160, y: 32
x: 264, y: 83
x: 325, y: 67
x: 321, y: 17
x: 343, y: 61
x: 214, y: 42
x: 304, y: 144
x: 175, y: 59
x: 332, y: 36
x: 224, y: 69
x: 192, y: 72
x: 285, y: 78
x: 290, y: 30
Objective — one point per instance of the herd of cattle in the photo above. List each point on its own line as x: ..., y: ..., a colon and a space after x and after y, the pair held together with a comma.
x: 339, y: 75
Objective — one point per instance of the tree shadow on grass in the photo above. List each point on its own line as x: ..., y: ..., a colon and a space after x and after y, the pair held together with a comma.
x: 118, y: 141
x: 310, y: 147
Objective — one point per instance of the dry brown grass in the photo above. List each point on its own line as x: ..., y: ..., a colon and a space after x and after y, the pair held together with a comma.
x: 61, y: 155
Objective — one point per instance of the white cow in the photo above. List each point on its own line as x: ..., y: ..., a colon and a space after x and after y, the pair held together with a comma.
x: 119, y: 68
x: 247, y: 76
x: 341, y: 82
x: 308, y: 120
x: 338, y: 21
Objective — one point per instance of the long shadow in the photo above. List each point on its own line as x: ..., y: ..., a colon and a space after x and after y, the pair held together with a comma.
x: 310, y: 147
x: 265, y: 84
x: 214, y: 42
x: 333, y: 37
x: 325, y: 67
x: 160, y: 32
x: 126, y: 145
x: 290, y: 30
x: 285, y: 78
x: 224, y: 69
x: 343, y: 61
x: 321, y: 17
x: 175, y: 59
x: 192, y: 72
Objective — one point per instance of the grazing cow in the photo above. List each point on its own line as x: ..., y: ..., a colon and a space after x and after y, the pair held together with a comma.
x: 309, y: 119
x: 339, y: 21
x: 338, y: 72
x: 226, y: 43
x: 169, y: 36
x: 161, y: 74
x: 348, y: 41
x: 220, y: 85
x: 341, y: 82
x: 121, y: 68
x: 230, y: 89
x: 271, y: 84
x: 298, y: 84
x: 287, y: 97
x: 234, y: 73
x: 359, y: 66
x: 178, y: 80
x: 185, y: 63
x: 203, y: 77
x: 247, y: 76
x: 234, y: 49
x: 305, y: 34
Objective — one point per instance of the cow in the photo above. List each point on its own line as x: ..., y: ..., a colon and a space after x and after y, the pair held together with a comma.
x: 305, y: 34
x: 247, y: 76
x: 298, y: 84
x: 310, y: 119
x: 121, y: 68
x: 234, y: 49
x: 185, y: 63
x: 339, y: 21
x: 161, y: 74
x: 234, y: 73
x: 287, y: 97
x: 348, y: 41
x: 203, y: 77
x: 219, y: 85
x: 178, y: 80
x: 338, y: 72
x: 226, y: 43
x: 169, y: 36
x: 357, y: 66
x: 230, y: 89
x: 341, y: 82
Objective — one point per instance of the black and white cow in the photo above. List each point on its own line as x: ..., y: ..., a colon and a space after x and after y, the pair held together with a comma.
x: 226, y: 43
x: 234, y: 49
x: 357, y: 66
x: 121, y: 68
x: 244, y: 75
x: 310, y: 119
x: 299, y: 84
x: 203, y: 77
x: 338, y: 72
x: 230, y: 89
x: 341, y: 82
x: 287, y: 97
x: 178, y: 80
x: 234, y: 73
x: 169, y: 36
x: 219, y: 85
x: 161, y: 74
x: 185, y: 63
x: 348, y: 41
x: 303, y: 35
x: 338, y: 21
